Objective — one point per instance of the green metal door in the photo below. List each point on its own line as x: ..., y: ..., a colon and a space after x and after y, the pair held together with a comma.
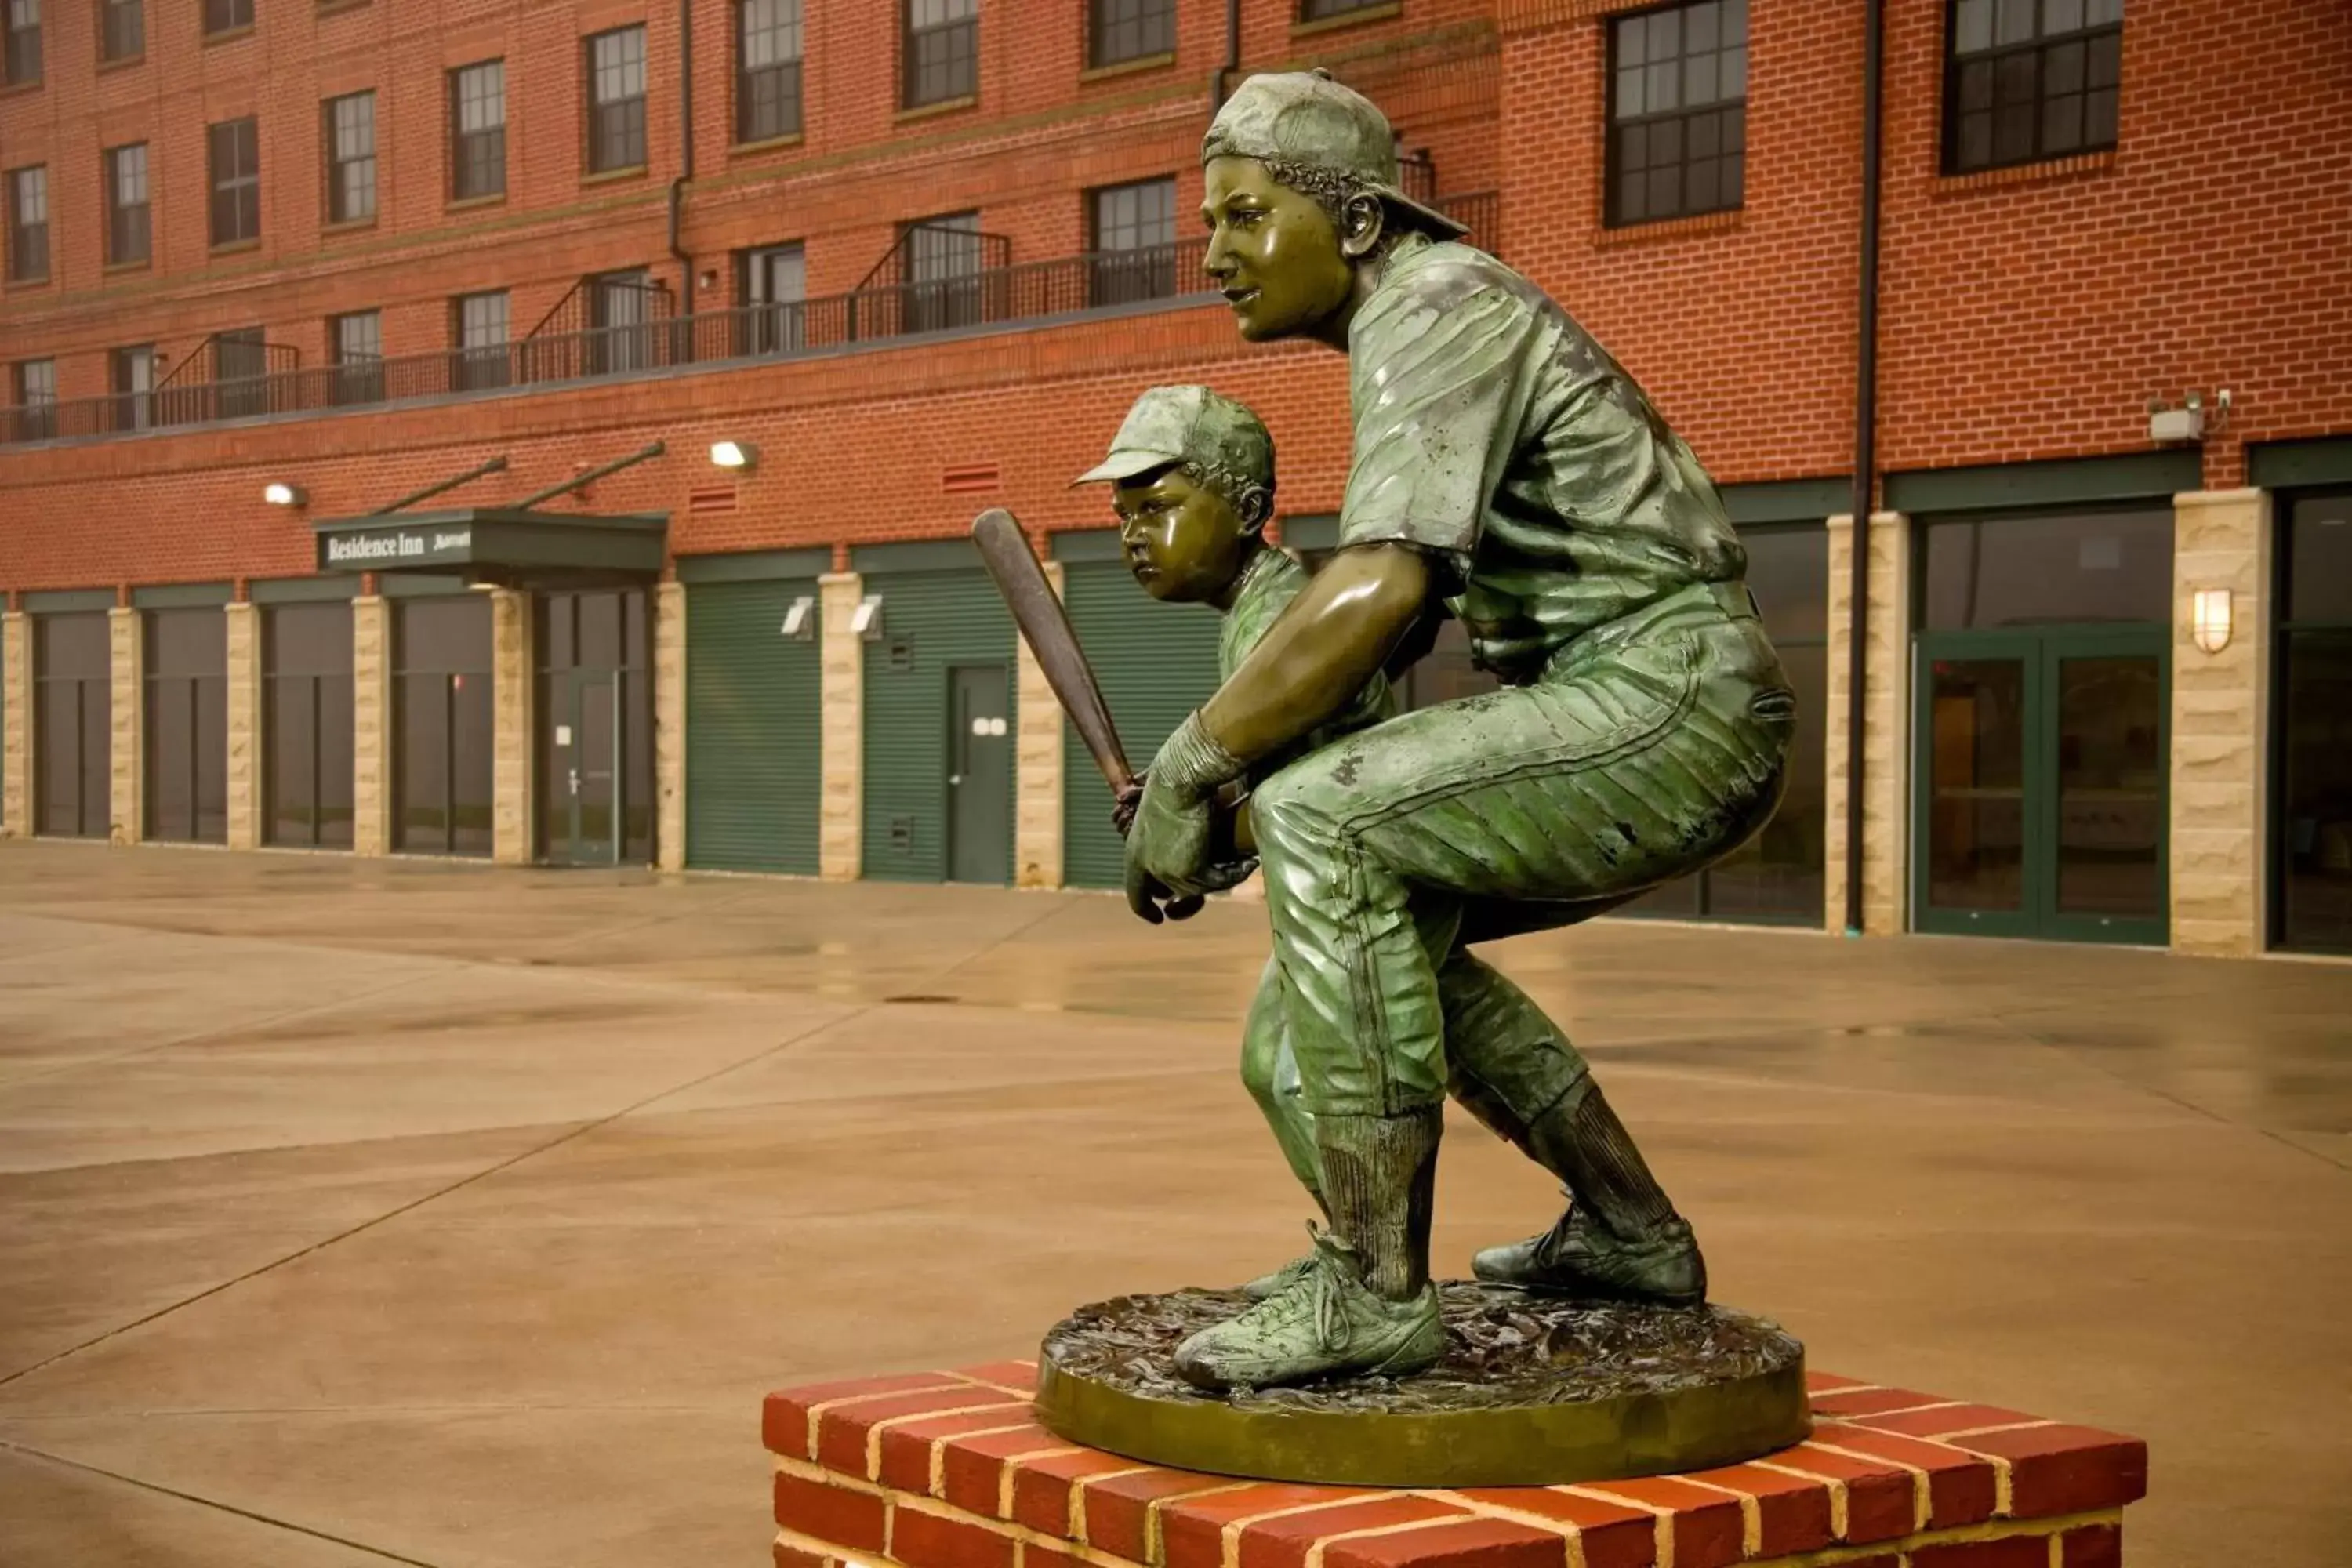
x: 1155, y: 662
x: 979, y: 774
x: 754, y: 753
x: 932, y: 619
x: 2040, y: 798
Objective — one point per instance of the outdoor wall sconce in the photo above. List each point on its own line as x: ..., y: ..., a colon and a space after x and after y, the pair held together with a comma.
x: 740, y: 456
x: 280, y: 494
x: 2209, y: 618
x: 800, y: 622
x: 866, y: 621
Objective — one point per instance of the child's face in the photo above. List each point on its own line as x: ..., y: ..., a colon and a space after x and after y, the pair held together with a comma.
x: 1183, y: 539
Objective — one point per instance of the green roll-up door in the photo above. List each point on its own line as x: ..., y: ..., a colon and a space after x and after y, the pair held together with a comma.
x: 932, y: 621
x: 754, y: 750
x: 1156, y: 662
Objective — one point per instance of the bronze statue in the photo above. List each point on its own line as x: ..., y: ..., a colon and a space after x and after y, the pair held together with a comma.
x: 1508, y: 472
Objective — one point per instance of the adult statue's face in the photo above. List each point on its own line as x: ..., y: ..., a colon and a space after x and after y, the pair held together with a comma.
x: 1273, y: 251
x: 1182, y: 540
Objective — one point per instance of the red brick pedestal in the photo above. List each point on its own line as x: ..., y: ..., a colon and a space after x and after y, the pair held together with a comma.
x: 948, y: 1470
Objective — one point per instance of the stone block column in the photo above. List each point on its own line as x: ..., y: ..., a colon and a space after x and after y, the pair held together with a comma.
x: 16, y: 715
x: 513, y: 709
x: 127, y: 782
x: 1037, y: 767
x: 245, y: 720
x: 1886, y: 726
x: 371, y: 726
x: 669, y: 726
x: 2222, y: 539
x: 841, y: 812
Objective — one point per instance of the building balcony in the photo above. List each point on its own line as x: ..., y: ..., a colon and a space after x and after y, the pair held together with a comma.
x: 654, y: 342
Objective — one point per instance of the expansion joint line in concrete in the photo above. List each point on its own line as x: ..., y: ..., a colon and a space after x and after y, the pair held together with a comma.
x: 213, y: 1504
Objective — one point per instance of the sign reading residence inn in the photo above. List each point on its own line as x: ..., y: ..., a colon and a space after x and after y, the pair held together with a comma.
x: 509, y: 543
x: 396, y: 547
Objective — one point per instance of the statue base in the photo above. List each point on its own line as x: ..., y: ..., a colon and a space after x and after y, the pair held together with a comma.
x: 1532, y: 1391
x: 951, y: 1470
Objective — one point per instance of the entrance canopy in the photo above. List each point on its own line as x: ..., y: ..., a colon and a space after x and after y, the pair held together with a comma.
x: 505, y: 546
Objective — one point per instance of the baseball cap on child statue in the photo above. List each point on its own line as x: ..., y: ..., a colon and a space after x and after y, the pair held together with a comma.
x: 1186, y: 425
x: 1306, y: 117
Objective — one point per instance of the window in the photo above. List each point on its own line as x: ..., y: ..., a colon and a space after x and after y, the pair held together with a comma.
x: 241, y: 365
x: 308, y: 730
x: 1317, y: 10
x: 767, y: 69
x: 126, y: 204
x: 235, y: 158
x: 477, y: 140
x: 28, y: 223
x: 445, y: 728
x: 122, y: 33
x: 616, y: 99
x: 1130, y: 30
x: 23, y: 51
x: 943, y: 266
x: 350, y: 157
x: 132, y: 372
x: 184, y: 715
x: 227, y: 15
x: 482, y: 358
x: 2027, y: 79
x: 2312, y: 817
x: 621, y: 321
x: 1134, y: 243
x: 772, y: 281
x: 1678, y: 111
x: 358, y: 343
x: 941, y: 51
x: 33, y: 390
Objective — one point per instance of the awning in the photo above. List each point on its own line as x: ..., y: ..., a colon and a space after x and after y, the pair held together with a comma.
x: 507, y: 546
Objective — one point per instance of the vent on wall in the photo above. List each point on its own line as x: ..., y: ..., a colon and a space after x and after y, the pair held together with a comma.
x: 709, y: 500
x: 970, y: 479
x: 902, y: 835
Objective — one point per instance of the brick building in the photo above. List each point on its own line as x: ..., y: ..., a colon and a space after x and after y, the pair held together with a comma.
x: 271, y: 265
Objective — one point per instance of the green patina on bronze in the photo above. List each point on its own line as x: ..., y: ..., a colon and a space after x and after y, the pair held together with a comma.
x: 1507, y: 473
x: 1532, y: 1391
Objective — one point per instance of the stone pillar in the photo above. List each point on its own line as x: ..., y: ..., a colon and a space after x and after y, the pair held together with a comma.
x: 841, y: 819
x: 1886, y: 727
x: 371, y: 726
x: 669, y: 726
x: 513, y: 688
x: 245, y: 720
x: 2221, y: 704
x: 1037, y: 767
x: 127, y: 783
x: 17, y: 714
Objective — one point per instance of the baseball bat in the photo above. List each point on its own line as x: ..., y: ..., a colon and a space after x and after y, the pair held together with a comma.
x: 1045, y: 627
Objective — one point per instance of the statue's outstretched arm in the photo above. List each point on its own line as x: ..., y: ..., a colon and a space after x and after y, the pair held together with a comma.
x: 1336, y: 635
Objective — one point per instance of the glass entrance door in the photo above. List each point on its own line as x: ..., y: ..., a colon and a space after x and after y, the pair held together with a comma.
x: 593, y: 778
x: 2039, y: 784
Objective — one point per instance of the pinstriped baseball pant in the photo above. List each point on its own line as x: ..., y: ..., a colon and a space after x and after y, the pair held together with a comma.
x: 1645, y: 751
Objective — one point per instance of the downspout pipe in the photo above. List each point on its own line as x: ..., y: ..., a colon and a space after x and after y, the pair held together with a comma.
x: 1218, y: 88
x: 1865, y: 454
x: 685, y: 156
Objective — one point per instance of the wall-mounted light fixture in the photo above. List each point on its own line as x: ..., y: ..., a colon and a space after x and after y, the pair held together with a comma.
x: 800, y: 621
x: 739, y: 455
x: 2209, y: 618
x: 866, y: 621
x: 279, y: 493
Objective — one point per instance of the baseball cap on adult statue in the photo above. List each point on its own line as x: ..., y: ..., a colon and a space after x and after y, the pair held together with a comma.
x: 1306, y: 117
x: 1186, y: 425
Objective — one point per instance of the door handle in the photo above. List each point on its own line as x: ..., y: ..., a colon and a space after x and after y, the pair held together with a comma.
x: 954, y: 779
x: 575, y: 781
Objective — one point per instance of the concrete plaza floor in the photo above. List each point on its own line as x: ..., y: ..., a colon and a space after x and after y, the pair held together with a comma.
x: 354, y: 1212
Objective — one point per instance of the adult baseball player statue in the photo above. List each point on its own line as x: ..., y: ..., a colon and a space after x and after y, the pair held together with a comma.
x: 1508, y: 472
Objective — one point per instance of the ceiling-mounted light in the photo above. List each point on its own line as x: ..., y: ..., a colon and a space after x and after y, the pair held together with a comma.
x: 279, y: 493
x: 740, y: 456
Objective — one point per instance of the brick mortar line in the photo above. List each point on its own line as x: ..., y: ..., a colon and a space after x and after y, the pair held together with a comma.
x: 1315, y: 1553
x: 1570, y: 1532
x: 888, y: 1423
x: 935, y: 1463
x: 1751, y: 1514
x: 1923, y: 1493
x: 1229, y: 1538
x: 1663, y: 1530
x: 1008, y: 1469
x: 1078, y: 1495
x: 816, y: 1413
x: 1840, y: 1512
x: 2052, y: 1528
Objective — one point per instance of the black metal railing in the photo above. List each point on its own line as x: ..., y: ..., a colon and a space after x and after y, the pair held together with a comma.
x: 570, y: 344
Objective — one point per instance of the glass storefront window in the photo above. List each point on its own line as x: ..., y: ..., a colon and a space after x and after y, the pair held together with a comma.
x: 2313, y: 765
x: 187, y: 726
x: 595, y: 729
x: 2038, y: 569
x: 306, y: 673
x: 443, y: 725
x: 73, y: 706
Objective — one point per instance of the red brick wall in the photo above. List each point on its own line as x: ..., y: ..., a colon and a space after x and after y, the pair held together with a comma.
x: 2023, y: 317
